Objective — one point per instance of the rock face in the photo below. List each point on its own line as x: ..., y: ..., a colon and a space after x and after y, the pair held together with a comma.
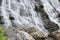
x: 18, y: 35
x: 50, y: 26
x: 55, y: 35
x: 31, y: 33
x: 27, y: 33
x: 50, y: 38
x: 25, y: 36
x: 35, y: 33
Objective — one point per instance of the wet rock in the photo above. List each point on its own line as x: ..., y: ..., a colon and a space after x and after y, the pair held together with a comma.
x: 39, y: 8
x: 0, y: 2
x: 18, y: 35
x: 25, y: 36
x: 59, y: 0
x: 35, y: 33
x: 30, y: 29
x: 49, y: 38
x: 38, y: 35
x: 11, y: 17
x: 49, y: 25
x: 1, y: 20
x: 55, y: 35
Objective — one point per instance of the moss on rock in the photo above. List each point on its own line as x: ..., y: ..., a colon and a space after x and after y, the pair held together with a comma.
x: 2, y: 34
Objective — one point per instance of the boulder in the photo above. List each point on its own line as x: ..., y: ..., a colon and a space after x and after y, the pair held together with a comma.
x: 23, y: 32
x: 24, y: 36
x: 49, y: 38
x: 35, y: 33
x: 18, y: 35
x: 55, y: 35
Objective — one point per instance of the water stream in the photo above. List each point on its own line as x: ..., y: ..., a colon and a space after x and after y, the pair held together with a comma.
x: 22, y: 12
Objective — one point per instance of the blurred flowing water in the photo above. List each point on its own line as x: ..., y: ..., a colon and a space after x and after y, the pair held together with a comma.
x: 25, y: 12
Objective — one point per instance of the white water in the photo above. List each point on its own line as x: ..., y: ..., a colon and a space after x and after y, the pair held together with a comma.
x: 52, y: 8
x: 24, y: 14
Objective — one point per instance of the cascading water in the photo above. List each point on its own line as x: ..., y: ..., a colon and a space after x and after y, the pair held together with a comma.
x: 22, y: 12
x: 52, y: 8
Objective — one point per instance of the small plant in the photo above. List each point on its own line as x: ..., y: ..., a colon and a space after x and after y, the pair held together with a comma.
x: 41, y: 8
x: 2, y: 34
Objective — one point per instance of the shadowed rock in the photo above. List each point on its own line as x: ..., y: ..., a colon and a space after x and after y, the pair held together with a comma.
x: 18, y: 35
x: 55, y: 35
x: 35, y: 33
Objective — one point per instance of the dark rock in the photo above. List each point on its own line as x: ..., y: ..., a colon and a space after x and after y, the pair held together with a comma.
x: 11, y: 17
x: 18, y: 35
x: 59, y: 0
x: 51, y: 27
x: 35, y: 33
x: 1, y: 20
x: 50, y: 38
x: 0, y: 2
x: 55, y: 35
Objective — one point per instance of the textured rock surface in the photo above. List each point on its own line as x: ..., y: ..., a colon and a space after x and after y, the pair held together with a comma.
x: 18, y: 35
x: 55, y: 35
x: 24, y: 36
x: 35, y: 33
x: 32, y: 30
x: 50, y: 38
x: 27, y: 33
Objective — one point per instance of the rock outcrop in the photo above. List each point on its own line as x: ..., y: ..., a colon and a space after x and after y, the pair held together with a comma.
x: 18, y: 35
x: 34, y: 31
x: 31, y: 33
x: 27, y: 33
x: 55, y: 35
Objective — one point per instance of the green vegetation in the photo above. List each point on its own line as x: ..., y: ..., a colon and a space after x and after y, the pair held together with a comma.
x: 2, y: 34
x: 41, y: 8
x: 45, y: 16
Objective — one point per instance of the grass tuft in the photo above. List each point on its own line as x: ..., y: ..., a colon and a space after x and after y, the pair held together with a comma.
x: 2, y: 34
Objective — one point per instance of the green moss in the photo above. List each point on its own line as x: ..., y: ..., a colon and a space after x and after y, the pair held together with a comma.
x: 41, y: 8
x: 2, y: 34
x: 46, y: 16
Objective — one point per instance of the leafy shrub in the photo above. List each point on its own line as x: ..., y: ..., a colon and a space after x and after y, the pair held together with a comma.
x: 2, y: 34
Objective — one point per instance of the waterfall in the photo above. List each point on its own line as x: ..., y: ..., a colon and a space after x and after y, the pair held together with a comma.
x: 22, y: 12
x: 52, y: 8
